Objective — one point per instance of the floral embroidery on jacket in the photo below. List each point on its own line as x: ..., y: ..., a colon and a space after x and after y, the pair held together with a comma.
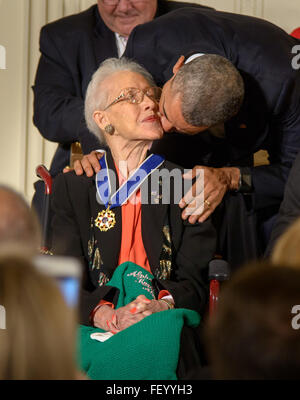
x: 165, y: 262
x: 95, y: 259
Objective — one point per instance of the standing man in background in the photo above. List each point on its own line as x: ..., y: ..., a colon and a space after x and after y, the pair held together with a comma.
x: 71, y: 50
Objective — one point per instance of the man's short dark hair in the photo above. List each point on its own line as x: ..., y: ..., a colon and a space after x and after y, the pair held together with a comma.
x: 251, y: 335
x: 212, y: 90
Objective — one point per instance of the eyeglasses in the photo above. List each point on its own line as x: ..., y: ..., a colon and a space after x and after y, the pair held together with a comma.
x: 136, y: 96
x: 116, y: 2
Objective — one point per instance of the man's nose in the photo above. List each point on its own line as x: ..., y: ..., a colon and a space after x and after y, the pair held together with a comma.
x: 124, y: 5
x: 150, y: 103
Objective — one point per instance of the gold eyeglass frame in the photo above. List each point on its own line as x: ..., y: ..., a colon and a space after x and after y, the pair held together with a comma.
x: 121, y: 96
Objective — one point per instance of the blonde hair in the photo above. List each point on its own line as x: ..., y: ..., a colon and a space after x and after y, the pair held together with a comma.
x: 287, y: 248
x: 39, y: 339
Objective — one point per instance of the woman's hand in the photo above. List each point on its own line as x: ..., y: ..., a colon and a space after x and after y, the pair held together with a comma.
x: 146, y: 307
x: 103, y: 314
x: 116, y: 320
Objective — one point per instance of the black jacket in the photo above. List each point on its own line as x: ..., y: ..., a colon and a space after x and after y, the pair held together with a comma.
x: 270, y: 116
x: 290, y: 207
x: 189, y: 247
x: 72, y: 48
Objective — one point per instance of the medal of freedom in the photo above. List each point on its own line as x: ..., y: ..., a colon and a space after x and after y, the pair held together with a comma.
x: 105, y: 220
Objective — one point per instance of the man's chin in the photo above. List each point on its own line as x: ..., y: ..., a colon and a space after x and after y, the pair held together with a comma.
x: 182, y: 133
x: 190, y: 133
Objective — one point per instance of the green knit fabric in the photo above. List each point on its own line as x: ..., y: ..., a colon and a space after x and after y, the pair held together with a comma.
x: 148, y: 349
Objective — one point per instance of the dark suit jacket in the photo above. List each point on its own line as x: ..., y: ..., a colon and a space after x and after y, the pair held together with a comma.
x: 290, y: 207
x: 71, y: 50
x: 190, y: 249
x: 271, y: 110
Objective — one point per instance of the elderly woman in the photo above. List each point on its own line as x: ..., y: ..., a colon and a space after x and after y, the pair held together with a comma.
x: 139, y: 256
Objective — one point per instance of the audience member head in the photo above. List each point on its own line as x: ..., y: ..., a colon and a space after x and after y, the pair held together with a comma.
x: 107, y: 104
x: 18, y: 223
x: 204, y: 92
x: 39, y: 339
x: 287, y: 247
x: 121, y: 16
x: 251, y: 334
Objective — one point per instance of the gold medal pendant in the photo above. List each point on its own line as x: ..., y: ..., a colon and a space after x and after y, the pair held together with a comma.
x: 105, y: 220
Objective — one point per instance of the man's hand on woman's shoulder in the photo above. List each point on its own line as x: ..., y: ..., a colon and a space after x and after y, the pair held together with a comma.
x: 89, y: 164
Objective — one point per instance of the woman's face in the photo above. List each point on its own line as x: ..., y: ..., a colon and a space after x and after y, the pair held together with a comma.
x: 132, y: 121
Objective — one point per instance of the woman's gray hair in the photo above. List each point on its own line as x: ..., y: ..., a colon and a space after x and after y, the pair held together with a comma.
x: 97, y: 98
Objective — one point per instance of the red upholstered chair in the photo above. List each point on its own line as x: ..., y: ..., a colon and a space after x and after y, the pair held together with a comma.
x: 218, y: 271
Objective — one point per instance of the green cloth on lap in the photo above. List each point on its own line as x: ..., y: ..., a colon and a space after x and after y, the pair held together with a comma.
x: 148, y: 349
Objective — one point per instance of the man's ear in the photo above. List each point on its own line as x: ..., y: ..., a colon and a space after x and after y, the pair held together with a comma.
x: 100, y: 118
x: 178, y: 64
